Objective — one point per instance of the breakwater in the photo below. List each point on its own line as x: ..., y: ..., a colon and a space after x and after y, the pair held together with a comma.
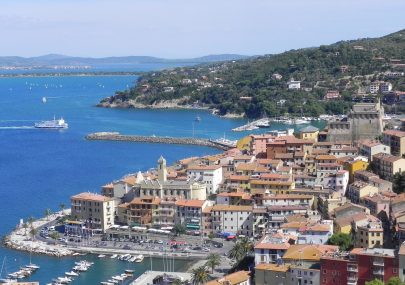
x: 115, y: 136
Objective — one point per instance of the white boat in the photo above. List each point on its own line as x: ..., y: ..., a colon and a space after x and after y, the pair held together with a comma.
x: 139, y: 258
x: 118, y: 278
x: 80, y: 268
x: 71, y: 273
x: 132, y: 259
x: 64, y: 280
x: 101, y: 256
x: 114, y: 256
x: 32, y: 266
x: 113, y: 281
x: 54, y: 124
x: 43, y: 99
x: 300, y: 122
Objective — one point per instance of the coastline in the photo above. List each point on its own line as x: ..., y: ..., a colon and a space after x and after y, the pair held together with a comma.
x: 171, y: 105
x: 19, y: 239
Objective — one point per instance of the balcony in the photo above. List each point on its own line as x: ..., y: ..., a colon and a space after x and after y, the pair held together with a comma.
x: 351, y: 279
x: 378, y: 272
x: 351, y: 282
x: 378, y: 262
x: 352, y: 268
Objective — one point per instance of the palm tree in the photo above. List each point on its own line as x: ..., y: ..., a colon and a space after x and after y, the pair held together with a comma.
x: 48, y: 212
x: 242, y: 248
x: 33, y: 232
x: 62, y: 207
x: 25, y: 226
x: 199, y: 276
x: 177, y: 282
x: 31, y: 220
x: 213, y: 260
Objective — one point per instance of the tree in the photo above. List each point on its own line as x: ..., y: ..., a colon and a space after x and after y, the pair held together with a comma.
x: 62, y: 207
x: 344, y: 241
x: 375, y: 282
x: 179, y: 229
x: 394, y: 281
x: 242, y: 248
x: 31, y: 220
x: 33, y: 232
x: 54, y: 235
x: 25, y: 226
x: 211, y: 236
x: 199, y: 275
x: 213, y: 260
x: 48, y: 212
x: 398, y: 182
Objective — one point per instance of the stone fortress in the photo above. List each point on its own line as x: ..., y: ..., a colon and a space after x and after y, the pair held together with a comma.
x: 364, y: 121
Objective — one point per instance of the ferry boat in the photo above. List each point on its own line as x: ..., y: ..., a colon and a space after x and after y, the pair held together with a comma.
x: 54, y: 124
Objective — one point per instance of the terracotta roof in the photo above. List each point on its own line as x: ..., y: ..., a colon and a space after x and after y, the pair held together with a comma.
x: 233, y: 208
x: 284, y: 156
x: 274, y: 183
x: 345, y: 221
x: 308, y: 252
x: 87, y: 196
x: 370, y: 143
x: 386, y: 157
x: 238, y: 177
x: 273, y: 267
x: 145, y: 200
x: 109, y: 185
x: 287, y: 197
x: 131, y: 179
x: 396, y: 133
x: 325, y: 157
x: 204, y: 167
x: 240, y: 194
x: 231, y: 279
x: 190, y: 203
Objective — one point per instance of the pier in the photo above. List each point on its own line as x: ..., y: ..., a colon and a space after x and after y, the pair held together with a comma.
x: 115, y: 136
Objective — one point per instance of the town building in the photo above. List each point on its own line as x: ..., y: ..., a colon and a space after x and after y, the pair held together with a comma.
x: 369, y: 148
x: 387, y: 165
x: 190, y: 213
x: 210, y: 175
x: 236, y: 278
x: 232, y: 219
x: 396, y: 140
x: 309, y: 133
x: 96, y: 211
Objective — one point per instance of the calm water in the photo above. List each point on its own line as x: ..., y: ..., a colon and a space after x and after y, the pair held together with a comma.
x: 40, y: 169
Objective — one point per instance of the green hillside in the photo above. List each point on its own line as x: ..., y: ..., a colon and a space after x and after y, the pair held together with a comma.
x: 250, y: 86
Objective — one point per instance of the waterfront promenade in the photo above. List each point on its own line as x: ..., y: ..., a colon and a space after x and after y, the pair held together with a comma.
x: 115, y: 136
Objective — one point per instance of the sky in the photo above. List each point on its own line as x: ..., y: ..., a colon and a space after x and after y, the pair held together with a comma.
x: 188, y: 28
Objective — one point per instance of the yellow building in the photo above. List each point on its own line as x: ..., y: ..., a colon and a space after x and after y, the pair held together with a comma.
x: 354, y: 164
x: 309, y: 133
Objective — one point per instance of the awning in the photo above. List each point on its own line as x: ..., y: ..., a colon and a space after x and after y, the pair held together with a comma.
x: 197, y: 227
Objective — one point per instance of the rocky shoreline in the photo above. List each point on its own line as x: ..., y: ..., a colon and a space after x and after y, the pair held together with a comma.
x: 171, y: 104
x: 19, y: 239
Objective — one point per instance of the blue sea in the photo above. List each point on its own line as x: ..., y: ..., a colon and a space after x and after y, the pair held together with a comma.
x: 40, y: 169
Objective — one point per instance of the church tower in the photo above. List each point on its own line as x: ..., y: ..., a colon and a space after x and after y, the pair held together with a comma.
x: 162, y: 170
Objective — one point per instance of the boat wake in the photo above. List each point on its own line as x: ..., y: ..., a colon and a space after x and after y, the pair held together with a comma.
x: 17, y: 128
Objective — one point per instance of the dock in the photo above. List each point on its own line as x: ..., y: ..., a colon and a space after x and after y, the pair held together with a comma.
x: 115, y: 136
x: 264, y: 122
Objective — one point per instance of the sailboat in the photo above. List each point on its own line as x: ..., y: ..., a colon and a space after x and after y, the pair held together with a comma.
x: 6, y: 280
x: 44, y: 99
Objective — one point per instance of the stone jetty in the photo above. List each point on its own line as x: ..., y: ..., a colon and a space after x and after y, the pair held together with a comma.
x: 115, y: 136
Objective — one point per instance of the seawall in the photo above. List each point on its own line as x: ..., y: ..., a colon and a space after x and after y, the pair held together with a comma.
x: 114, y: 136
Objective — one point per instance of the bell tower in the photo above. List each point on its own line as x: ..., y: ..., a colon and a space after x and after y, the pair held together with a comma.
x: 162, y: 170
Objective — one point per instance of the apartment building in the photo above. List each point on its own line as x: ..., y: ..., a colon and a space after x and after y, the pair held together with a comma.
x: 97, y: 211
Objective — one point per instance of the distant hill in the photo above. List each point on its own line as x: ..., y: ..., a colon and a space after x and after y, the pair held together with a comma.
x: 259, y: 85
x: 57, y: 59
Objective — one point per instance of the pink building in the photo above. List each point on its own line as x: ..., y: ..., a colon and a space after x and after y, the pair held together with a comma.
x: 258, y: 144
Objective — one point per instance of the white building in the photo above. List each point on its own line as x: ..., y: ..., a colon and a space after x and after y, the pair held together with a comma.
x: 337, y: 182
x: 294, y: 84
x: 385, y: 87
x: 272, y: 247
x: 210, y: 175
x: 317, y: 233
x: 232, y: 219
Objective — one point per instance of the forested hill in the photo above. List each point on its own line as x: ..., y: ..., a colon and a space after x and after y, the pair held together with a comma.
x: 259, y: 85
